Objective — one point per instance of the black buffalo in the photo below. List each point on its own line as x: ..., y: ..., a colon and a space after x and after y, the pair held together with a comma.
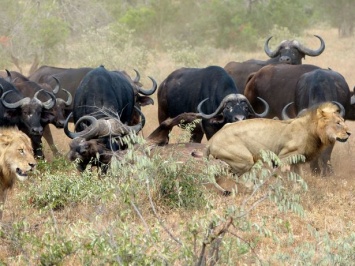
x: 184, y: 89
x: 70, y: 79
x: 25, y: 112
x: 110, y: 98
x: 287, y: 52
x: 55, y: 115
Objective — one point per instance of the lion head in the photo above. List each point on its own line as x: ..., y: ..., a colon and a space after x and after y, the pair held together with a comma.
x: 16, y: 156
x: 331, y: 125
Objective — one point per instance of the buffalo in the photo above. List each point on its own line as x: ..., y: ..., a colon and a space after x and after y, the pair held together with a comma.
x: 24, y: 112
x: 110, y: 98
x: 184, y: 89
x: 287, y: 52
x: 276, y: 84
x: 54, y: 115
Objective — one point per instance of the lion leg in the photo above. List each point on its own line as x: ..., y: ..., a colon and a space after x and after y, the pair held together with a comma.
x: 240, y: 159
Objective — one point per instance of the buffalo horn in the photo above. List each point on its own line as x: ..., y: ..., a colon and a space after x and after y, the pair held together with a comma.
x: 57, y: 86
x: 229, y: 98
x: 70, y: 98
x: 219, y: 108
x: 284, y: 115
x: 8, y: 78
x: 150, y: 91
x: 48, y: 104
x: 308, y: 51
x: 267, y: 50
x: 89, y: 133
x: 341, y: 107
x: 138, y: 76
x: 15, y: 104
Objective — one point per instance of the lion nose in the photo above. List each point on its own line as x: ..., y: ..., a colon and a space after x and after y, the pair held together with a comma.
x: 348, y: 133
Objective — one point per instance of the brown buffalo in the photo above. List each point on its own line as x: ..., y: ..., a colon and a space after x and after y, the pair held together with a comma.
x: 276, y: 84
x: 240, y: 143
x: 16, y: 159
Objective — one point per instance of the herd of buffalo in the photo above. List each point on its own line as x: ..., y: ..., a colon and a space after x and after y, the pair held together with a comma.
x: 283, y: 97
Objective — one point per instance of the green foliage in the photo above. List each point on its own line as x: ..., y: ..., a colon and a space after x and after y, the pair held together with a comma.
x: 55, y: 252
x: 162, y: 179
x: 55, y: 191
x: 338, y: 14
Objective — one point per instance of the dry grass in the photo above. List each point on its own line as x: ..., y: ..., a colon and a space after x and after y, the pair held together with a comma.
x: 329, y: 203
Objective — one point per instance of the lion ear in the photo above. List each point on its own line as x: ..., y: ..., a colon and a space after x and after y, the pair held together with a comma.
x: 5, y: 139
x: 320, y: 113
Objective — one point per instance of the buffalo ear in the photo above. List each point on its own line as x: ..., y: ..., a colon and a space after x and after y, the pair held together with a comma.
x: 145, y: 100
x: 219, y: 119
x: 47, y: 117
x: 11, y: 114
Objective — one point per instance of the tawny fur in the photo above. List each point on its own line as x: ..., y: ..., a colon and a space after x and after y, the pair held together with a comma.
x: 16, y: 159
x: 240, y: 143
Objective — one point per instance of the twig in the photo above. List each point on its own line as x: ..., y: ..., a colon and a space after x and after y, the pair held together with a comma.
x: 141, y: 217
x: 156, y: 216
x: 54, y: 221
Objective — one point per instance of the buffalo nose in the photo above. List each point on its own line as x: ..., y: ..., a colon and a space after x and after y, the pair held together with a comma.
x: 60, y: 124
x: 285, y: 59
x: 37, y: 131
x: 239, y: 118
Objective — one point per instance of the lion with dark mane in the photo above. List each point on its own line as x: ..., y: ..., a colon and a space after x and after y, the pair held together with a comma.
x: 16, y: 159
x: 240, y: 143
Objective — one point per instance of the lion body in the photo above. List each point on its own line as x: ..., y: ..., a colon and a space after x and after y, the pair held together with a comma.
x: 16, y: 159
x: 239, y: 144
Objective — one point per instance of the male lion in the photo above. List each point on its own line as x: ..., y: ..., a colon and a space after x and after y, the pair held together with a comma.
x: 16, y: 159
x: 240, y: 143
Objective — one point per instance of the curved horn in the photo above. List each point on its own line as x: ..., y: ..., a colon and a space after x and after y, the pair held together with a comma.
x: 267, y: 50
x: 311, y: 52
x: 48, y: 104
x: 266, y: 111
x: 219, y: 108
x: 150, y: 91
x: 341, y: 107
x: 284, y: 115
x: 70, y: 98
x: 88, y: 133
x: 57, y: 87
x: 8, y: 78
x: 138, y: 76
x: 15, y: 104
x: 118, y: 128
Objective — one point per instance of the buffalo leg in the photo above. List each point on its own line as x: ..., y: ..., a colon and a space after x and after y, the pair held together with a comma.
x: 47, y: 134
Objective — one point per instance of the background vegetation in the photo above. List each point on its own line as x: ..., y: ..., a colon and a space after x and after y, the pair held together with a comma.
x: 44, y: 31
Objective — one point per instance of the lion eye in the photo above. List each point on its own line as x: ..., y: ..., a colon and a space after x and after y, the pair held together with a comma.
x: 21, y: 151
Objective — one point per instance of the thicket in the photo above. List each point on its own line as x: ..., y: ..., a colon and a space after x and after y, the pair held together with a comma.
x: 125, y: 218
x: 45, y: 31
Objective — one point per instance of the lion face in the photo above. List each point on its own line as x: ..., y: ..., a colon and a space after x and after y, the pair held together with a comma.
x: 16, y: 155
x: 333, y: 126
